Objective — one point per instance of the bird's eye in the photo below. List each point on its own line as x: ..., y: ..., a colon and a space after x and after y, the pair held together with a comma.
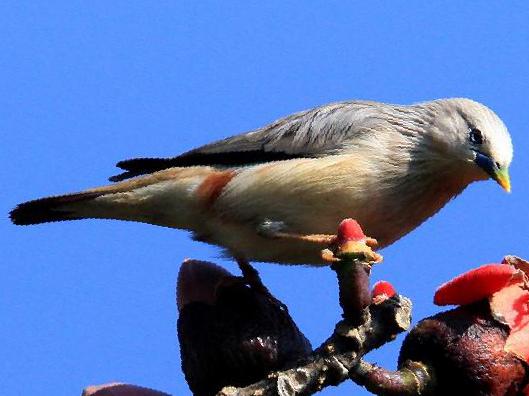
x: 475, y: 136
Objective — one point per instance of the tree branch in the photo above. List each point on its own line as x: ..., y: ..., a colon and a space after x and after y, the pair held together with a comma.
x: 365, y: 326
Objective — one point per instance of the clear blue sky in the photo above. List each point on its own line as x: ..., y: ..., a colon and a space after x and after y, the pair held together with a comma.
x: 85, y: 84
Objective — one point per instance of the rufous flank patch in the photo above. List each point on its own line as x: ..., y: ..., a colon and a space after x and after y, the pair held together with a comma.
x: 212, y: 186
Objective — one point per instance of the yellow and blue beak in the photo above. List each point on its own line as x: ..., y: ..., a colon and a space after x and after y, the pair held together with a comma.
x: 493, y: 169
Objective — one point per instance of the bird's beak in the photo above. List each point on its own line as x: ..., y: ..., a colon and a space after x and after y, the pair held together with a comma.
x: 501, y: 175
x: 503, y: 179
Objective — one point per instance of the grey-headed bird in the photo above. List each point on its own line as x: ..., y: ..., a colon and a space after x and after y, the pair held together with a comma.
x: 390, y: 167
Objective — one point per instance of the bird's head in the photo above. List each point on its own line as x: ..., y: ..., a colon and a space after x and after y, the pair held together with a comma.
x: 476, y: 137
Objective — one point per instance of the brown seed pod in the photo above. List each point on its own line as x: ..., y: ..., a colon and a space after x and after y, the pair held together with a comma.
x: 464, y: 347
x: 231, y: 333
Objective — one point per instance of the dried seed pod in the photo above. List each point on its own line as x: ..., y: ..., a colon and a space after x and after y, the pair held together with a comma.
x: 119, y: 389
x: 231, y: 333
x: 465, y: 348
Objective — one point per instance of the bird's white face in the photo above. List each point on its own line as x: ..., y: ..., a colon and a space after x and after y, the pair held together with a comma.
x: 478, y: 137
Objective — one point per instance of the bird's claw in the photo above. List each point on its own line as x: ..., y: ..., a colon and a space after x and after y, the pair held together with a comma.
x: 275, y: 230
x: 371, y: 242
x: 351, y: 243
x: 351, y: 249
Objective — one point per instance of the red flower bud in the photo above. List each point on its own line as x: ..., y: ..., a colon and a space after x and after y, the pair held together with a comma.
x: 382, y: 290
x: 349, y: 230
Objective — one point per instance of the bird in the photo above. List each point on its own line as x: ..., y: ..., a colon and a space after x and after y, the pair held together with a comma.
x: 260, y: 195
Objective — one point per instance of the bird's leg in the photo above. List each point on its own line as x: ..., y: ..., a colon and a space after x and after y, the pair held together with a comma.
x: 251, y: 276
x: 274, y: 230
x: 320, y: 239
x: 249, y: 273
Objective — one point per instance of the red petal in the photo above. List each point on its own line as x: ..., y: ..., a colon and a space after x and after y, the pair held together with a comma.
x: 510, y: 305
x: 474, y: 285
x: 383, y: 288
x: 517, y: 344
x: 350, y: 230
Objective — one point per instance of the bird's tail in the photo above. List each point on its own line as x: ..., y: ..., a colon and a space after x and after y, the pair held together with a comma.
x: 168, y: 198
x: 50, y: 209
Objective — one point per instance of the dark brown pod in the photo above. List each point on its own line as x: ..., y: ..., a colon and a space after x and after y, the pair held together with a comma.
x: 464, y: 347
x: 118, y: 389
x: 231, y: 333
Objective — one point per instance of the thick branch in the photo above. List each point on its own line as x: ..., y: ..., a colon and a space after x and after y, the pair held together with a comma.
x: 411, y: 380
x: 331, y: 363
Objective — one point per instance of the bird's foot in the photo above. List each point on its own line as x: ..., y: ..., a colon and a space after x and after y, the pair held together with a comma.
x: 351, y: 243
x: 275, y: 230
x: 351, y: 249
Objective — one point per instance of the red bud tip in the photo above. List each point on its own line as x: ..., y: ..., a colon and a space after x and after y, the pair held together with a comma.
x: 383, y: 288
x: 474, y: 285
x: 350, y: 230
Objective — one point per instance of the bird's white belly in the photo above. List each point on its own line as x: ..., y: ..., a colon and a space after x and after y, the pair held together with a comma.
x: 312, y: 197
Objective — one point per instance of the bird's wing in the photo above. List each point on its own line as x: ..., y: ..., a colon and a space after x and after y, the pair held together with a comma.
x: 310, y: 133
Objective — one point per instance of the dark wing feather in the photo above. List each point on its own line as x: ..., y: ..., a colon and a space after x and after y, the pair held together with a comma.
x: 309, y: 133
x: 140, y: 166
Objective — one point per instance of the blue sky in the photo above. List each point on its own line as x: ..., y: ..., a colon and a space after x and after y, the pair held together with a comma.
x: 85, y: 84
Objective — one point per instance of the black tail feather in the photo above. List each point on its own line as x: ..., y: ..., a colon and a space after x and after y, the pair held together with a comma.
x: 46, y: 210
x: 140, y: 166
x: 145, y: 164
